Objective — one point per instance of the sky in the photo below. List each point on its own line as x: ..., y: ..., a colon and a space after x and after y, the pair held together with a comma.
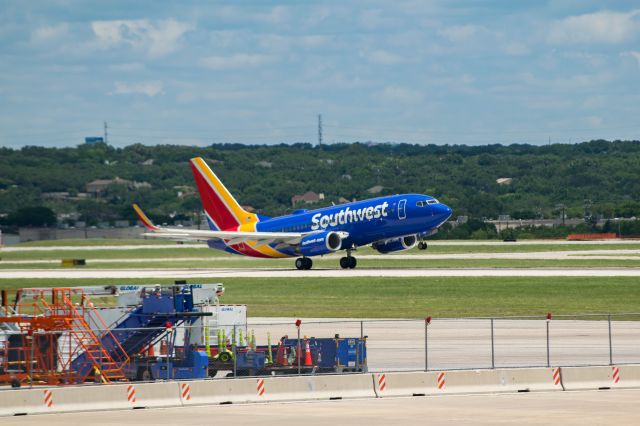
x: 417, y: 71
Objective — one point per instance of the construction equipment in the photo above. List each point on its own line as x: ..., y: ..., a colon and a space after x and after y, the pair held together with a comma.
x: 36, y: 352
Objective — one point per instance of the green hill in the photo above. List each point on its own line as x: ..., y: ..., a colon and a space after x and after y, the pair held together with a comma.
x: 600, y: 177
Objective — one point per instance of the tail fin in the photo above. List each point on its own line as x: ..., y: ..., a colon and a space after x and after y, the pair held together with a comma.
x: 144, y: 219
x: 223, y: 211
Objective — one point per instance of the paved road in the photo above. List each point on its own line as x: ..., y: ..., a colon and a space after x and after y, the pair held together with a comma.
x: 623, y: 254
x: 396, y: 345
x: 616, y: 407
x: 293, y: 273
x: 434, y: 243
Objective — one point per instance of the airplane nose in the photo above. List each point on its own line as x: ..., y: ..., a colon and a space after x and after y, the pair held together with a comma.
x: 445, y: 210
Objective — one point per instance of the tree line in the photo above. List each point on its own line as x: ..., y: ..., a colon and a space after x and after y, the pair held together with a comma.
x: 591, y: 179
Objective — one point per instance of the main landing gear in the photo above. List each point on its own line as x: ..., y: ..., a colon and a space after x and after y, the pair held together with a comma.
x: 422, y: 245
x: 348, y: 262
x: 304, y: 263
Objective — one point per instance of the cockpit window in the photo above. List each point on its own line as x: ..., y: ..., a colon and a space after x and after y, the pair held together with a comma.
x: 426, y: 202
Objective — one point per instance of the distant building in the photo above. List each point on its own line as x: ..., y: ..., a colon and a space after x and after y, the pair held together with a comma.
x: 148, y: 162
x: 92, y: 140
x: 265, y: 164
x: 504, y: 181
x: 375, y: 189
x: 308, y: 198
x: 99, y: 185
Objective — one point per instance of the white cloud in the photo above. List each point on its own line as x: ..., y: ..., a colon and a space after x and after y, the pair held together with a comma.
x: 157, y: 38
x: 129, y: 67
x: 148, y: 88
x: 632, y: 54
x: 48, y: 33
x: 275, y: 15
x: 239, y: 60
x: 384, y: 57
x: 515, y: 48
x: 461, y: 33
x: 400, y: 94
x: 598, y: 27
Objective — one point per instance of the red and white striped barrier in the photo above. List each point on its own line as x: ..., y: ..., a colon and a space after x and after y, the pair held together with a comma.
x: 616, y: 375
x: 131, y: 394
x: 48, y: 398
x: 260, y: 387
x: 556, y: 376
x: 382, y: 382
x: 185, y: 393
x: 440, y: 380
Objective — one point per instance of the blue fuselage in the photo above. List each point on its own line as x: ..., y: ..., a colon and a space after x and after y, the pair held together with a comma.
x: 366, y: 221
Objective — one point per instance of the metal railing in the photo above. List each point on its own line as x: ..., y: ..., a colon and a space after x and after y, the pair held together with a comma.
x: 398, y: 344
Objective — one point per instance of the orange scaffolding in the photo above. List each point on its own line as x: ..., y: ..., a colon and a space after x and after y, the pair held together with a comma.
x: 55, y: 331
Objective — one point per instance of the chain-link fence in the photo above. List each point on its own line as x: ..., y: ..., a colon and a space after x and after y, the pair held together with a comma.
x: 270, y: 346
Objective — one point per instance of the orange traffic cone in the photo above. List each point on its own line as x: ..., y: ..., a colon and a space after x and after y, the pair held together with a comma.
x: 307, y: 355
x: 151, y: 351
x: 281, y: 354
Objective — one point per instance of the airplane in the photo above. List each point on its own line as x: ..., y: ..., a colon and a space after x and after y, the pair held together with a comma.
x: 389, y: 224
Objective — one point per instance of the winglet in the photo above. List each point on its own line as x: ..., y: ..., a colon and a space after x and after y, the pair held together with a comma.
x: 144, y: 219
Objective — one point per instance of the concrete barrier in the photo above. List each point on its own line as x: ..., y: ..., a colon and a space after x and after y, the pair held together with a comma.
x: 532, y: 379
x: 89, y: 398
x: 630, y: 376
x: 267, y: 389
x: 468, y: 381
x: 403, y: 384
x: 23, y: 401
x: 149, y: 395
x: 581, y: 378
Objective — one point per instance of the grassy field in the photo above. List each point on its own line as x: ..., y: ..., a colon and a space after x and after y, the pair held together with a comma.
x: 409, y: 297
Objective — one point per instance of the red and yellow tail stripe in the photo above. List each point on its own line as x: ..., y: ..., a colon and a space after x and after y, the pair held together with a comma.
x: 217, y: 201
x: 225, y: 212
x: 144, y: 219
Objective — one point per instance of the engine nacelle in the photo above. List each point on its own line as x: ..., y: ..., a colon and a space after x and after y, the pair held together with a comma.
x: 320, y: 243
x: 396, y: 244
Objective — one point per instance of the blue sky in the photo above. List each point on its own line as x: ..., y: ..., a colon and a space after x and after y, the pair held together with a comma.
x: 202, y: 72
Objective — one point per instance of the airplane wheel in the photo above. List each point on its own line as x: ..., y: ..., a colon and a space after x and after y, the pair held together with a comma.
x: 352, y: 262
x: 344, y: 262
x: 308, y: 263
x: 422, y: 245
x: 300, y: 263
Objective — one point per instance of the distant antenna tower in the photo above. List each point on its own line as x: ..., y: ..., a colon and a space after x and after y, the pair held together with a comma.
x: 106, y: 133
x: 320, y: 130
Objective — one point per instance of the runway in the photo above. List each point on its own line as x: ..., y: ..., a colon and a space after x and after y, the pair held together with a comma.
x: 632, y: 254
x: 399, y: 345
x: 316, y: 273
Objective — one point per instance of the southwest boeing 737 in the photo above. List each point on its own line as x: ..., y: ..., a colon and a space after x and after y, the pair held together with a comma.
x: 388, y: 224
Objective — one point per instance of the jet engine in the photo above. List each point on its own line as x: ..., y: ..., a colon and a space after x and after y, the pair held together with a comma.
x: 395, y: 244
x: 321, y: 243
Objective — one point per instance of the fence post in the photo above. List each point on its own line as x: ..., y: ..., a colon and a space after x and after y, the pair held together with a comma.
x: 610, y: 343
x: 298, y: 323
x: 548, y: 350
x: 235, y: 352
x: 427, y: 321
x: 34, y: 336
x: 493, y: 356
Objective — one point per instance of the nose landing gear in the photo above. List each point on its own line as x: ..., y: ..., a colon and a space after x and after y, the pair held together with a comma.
x: 422, y: 245
x: 304, y: 263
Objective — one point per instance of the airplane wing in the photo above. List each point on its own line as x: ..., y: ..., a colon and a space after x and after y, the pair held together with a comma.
x: 230, y: 237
